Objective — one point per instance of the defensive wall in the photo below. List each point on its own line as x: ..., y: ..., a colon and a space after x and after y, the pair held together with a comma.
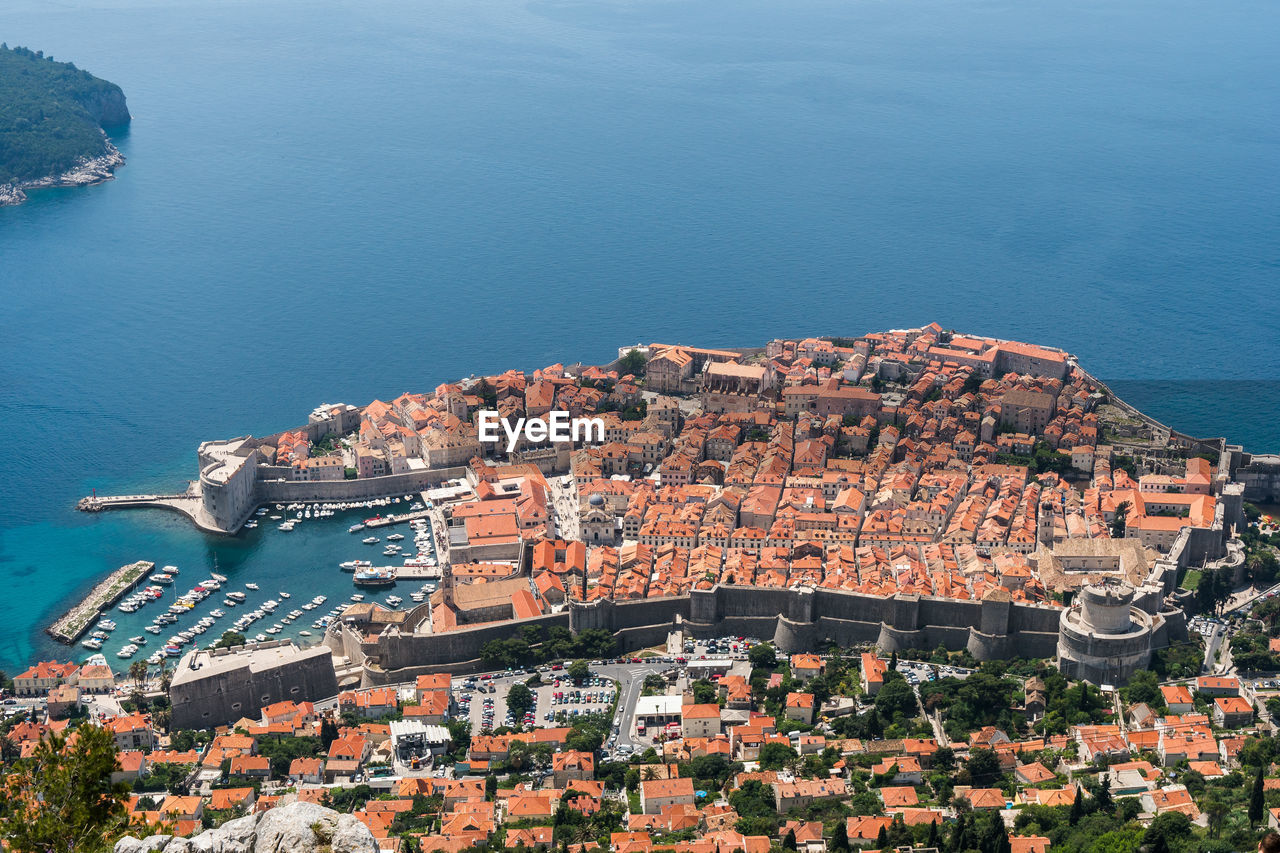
x: 801, y: 619
x: 213, y: 687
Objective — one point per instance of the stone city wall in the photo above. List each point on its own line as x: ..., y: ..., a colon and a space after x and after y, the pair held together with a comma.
x: 242, y: 692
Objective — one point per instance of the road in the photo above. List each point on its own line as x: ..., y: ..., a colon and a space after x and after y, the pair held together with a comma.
x: 1211, y: 643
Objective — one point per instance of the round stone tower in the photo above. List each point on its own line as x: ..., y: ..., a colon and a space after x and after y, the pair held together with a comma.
x: 1102, y: 637
x: 1105, y: 607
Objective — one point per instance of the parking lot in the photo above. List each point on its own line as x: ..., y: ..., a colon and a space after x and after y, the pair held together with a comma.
x: 918, y: 671
x: 483, y: 699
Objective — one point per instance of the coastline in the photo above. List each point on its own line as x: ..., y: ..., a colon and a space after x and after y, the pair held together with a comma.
x: 87, y: 172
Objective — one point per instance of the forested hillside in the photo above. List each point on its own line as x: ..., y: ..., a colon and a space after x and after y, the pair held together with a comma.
x: 51, y: 114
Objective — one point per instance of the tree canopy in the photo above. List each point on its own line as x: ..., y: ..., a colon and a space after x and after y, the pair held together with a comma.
x: 61, y: 798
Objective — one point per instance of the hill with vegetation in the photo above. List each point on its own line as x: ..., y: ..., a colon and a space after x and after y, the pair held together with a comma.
x: 52, y: 119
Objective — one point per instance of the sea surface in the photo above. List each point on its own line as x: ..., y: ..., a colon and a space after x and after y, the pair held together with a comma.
x: 334, y: 201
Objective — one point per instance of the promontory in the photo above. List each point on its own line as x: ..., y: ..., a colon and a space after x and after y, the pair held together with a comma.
x: 54, y: 120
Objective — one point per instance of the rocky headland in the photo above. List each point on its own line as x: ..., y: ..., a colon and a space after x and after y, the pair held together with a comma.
x: 54, y: 125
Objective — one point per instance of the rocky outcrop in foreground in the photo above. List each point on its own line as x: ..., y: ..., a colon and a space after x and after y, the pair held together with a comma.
x: 295, y: 828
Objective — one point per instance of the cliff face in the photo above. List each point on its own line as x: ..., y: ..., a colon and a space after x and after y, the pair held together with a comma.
x: 295, y: 828
x: 107, y: 106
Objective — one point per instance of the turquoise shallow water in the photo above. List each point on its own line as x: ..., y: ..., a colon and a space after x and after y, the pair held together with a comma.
x: 338, y: 200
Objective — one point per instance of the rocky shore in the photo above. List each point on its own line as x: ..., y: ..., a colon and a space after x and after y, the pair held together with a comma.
x: 88, y: 171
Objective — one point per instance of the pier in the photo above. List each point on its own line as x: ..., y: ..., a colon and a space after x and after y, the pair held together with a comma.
x: 74, y: 623
x: 388, y: 520
x: 188, y: 504
x: 410, y: 573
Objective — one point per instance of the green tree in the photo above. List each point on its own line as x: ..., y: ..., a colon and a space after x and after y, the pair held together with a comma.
x: 1077, y: 807
x: 138, y: 673
x: 1104, y: 802
x: 490, y: 787
x: 328, y: 732
x: 896, y: 700
x: 762, y: 656
x: 62, y: 799
x: 776, y: 756
x: 228, y: 639
x: 1263, y: 567
x: 633, y: 362
x: 840, y: 838
x: 983, y: 767
x: 704, y: 692
x: 1120, y: 521
x: 1257, y: 805
x: 579, y: 670
x: 789, y: 842
x: 520, y: 700
x: 1167, y: 827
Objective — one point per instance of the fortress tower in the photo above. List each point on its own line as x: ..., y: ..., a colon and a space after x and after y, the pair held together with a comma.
x: 1103, y: 637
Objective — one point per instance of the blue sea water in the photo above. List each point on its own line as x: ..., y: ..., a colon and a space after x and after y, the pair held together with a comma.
x: 331, y: 201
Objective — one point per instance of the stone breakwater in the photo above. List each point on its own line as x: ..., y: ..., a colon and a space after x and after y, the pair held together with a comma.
x: 74, y: 623
x: 86, y: 172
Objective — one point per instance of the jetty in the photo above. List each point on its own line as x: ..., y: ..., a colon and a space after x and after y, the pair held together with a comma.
x: 409, y: 573
x: 74, y: 623
x: 388, y: 520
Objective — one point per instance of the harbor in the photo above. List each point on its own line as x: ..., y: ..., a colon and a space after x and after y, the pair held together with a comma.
x: 77, y: 620
x: 244, y: 583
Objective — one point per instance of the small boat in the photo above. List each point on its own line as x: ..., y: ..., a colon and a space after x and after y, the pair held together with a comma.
x: 140, y: 640
x: 304, y: 633
x: 355, y: 565
x: 219, y: 578
x: 92, y: 644
x: 217, y: 613
x: 172, y: 570
x: 229, y: 602
x: 395, y: 537
x: 152, y: 629
x: 357, y: 597
x: 285, y: 595
x: 355, y: 528
x: 252, y: 586
x: 261, y: 638
x: 106, y: 625
x: 371, y: 540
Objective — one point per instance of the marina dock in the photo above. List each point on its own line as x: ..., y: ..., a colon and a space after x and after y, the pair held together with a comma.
x: 409, y: 573
x: 417, y: 573
x: 388, y: 520
x: 74, y: 623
